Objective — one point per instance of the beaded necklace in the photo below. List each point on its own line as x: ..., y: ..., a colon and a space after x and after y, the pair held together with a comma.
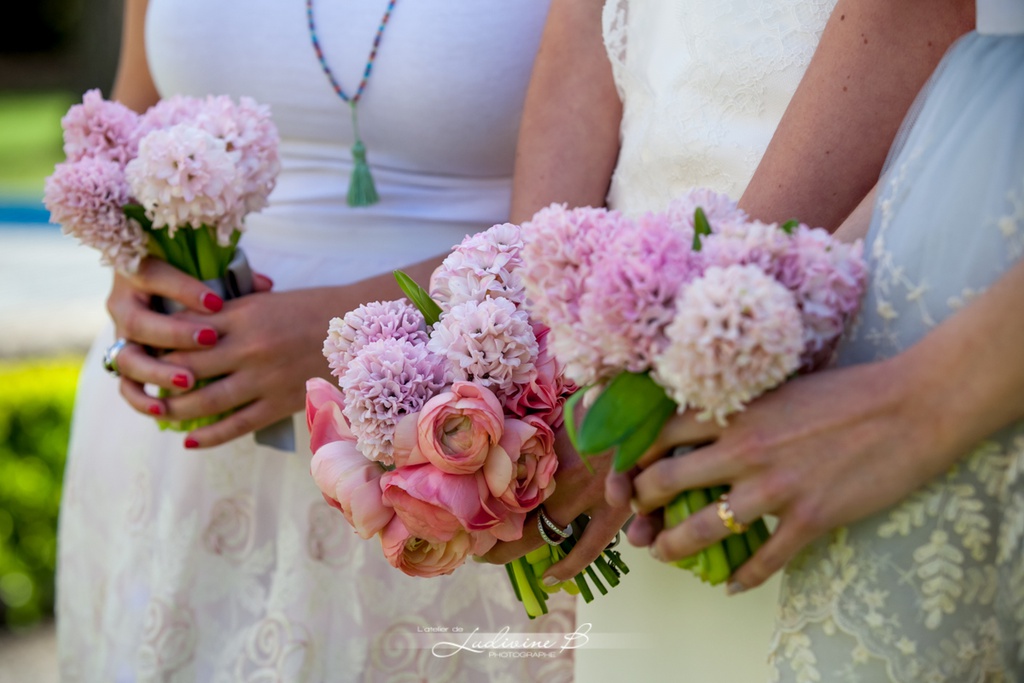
x: 361, y: 190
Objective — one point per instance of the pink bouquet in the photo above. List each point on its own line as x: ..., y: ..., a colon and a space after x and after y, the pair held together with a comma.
x: 695, y: 308
x: 176, y: 182
x: 440, y: 436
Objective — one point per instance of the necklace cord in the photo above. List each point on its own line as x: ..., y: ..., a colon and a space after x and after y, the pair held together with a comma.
x: 361, y: 190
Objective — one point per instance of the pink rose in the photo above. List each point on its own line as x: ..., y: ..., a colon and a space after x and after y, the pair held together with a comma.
x: 436, y: 505
x: 421, y: 557
x: 526, y: 477
x: 456, y: 429
x: 324, y: 403
x: 405, y: 442
x: 546, y: 393
x: 351, y: 483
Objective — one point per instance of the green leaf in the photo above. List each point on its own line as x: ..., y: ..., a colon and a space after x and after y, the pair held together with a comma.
x: 789, y: 226
x: 700, y: 227
x: 637, y: 443
x: 419, y: 297
x: 569, y: 415
x: 622, y: 408
x: 138, y: 213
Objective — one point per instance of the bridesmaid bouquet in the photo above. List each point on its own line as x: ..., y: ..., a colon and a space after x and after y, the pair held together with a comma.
x: 440, y: 436
x: 175, y: 182
x: 694, y: 308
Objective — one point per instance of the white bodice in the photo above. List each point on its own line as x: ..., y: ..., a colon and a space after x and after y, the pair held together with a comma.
x: 439, y: 116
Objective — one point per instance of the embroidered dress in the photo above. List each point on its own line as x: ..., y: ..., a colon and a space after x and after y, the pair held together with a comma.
x: 226, y: 564
x: 704, y: 85
x: 932, y: 589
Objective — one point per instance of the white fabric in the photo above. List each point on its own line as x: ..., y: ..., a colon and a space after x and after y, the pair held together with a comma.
x: 226, y: 564
x: 704, y: 85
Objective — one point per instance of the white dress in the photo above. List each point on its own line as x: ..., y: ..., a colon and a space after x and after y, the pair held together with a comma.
x: 226, y: 564
x: 703, y: 84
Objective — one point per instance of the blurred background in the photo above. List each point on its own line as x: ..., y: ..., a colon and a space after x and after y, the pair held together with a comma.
x: 51, y: 304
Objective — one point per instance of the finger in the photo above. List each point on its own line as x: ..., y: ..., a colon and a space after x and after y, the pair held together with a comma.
x: 665, y: 479
x: 644, y: 529
x: 136, y: 365
x: 698, y: 531
x: 135, y: 395
x: 503, y: 553
x: 239, y: 423
x: 618, y: 488
x: 136, y: 321
x: 261, y: 283
x: 680, y: 430
x: 595, y: 538
x: 156, y: 276
x: 777, y: 551
x: 213, y: 398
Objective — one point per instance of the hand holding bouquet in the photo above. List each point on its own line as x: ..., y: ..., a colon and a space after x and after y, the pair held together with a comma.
x: 441, y: 437
x: 695, y: 308
x: 175, y: 182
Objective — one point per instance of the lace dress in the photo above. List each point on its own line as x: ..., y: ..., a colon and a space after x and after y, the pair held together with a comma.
x: 704, y: 85
x: 225, y: 564
x: 932, y: 589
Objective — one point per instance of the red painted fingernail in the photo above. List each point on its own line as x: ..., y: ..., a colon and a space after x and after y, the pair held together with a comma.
x: 206, y: 337
x: 155, y: 409
x: 191, y: 443
x: 180, y: 381
x: 212, y: 302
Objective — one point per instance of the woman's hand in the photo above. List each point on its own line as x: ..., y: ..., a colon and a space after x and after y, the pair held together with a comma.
x: 817, y: 453
x: 134, y: 319
x: 577, y: 491
x: 268, y: 345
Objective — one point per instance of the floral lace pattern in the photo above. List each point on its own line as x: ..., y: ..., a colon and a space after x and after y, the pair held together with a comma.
x: 932, y: 589
x: 257, y: 585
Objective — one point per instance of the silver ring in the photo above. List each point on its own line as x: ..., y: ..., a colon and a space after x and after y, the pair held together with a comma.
x: 111, y: 354
x: 615, y: 541
x: 542, y: 516
x: 544, y: 534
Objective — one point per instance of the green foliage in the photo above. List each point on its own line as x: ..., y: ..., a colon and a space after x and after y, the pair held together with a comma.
x: 36, y: 399
x: 627, y: 416
x: 31, y: 141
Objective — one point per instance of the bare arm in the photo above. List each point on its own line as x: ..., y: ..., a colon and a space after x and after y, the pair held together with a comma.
x: 133, y: 85
x: 569, y: 135
x: 568, y: 145
x: 829, y: 148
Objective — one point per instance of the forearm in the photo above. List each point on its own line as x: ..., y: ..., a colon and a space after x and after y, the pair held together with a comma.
x: 968, y: 373
x: 829, y: 148
x: 569, y: 135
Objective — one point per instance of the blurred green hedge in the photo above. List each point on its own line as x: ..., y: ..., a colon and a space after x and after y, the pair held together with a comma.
x: 36, y: 398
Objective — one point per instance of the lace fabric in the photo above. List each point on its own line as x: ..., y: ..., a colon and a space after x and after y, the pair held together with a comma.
x: 932, y: 589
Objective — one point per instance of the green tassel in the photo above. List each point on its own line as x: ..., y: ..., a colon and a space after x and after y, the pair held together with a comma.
x: 361, y: 191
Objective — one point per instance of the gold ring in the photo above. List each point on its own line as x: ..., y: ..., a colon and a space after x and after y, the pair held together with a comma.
x: 728, y: 518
